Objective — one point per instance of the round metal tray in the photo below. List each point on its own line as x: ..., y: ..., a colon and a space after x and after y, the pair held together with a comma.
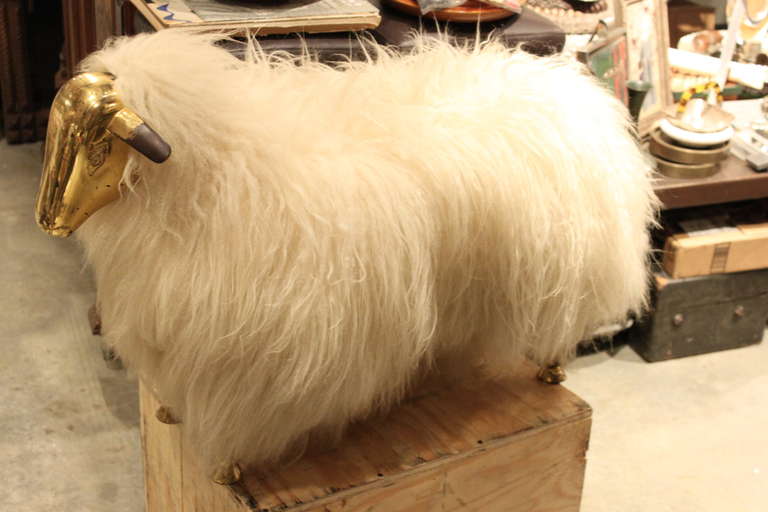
x: 469, y: 12
x: 661, y: 146
x: 686, y: 171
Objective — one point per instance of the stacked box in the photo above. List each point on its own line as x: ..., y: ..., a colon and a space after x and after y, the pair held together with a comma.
x: 716, y: 240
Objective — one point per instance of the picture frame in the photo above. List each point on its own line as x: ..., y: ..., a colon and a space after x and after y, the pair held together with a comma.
x: 606, y: 58
x: 647, y: 29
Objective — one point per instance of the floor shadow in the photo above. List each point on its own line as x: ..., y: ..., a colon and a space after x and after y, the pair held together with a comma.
x: 121, y: 396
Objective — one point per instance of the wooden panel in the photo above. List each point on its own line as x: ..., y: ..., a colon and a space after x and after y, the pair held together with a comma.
x: 16, y: 86
x: 542, y: 472
x: 103, y: 21
x: 161, y: 445
x: 432, y: 428
x: 15, y: 73
x: 27, y: 66
x: 80, y: 30
x: 70, y: 37
x: 735, y: 182
x: 517, y: 445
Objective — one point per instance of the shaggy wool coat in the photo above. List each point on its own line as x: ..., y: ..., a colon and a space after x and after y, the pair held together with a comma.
x: 322, y: 236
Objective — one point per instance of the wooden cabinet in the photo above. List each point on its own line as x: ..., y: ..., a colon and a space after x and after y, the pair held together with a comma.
x: 30, y: 43
x: 41, y: 45
x: 698, y: 315
x: 87, y: 24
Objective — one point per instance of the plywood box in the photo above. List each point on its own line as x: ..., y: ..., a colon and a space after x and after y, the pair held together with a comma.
x: 717, y: 242
x: 516, y: 446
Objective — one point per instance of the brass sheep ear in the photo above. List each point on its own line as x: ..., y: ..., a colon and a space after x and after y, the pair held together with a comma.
x: 132, y: 130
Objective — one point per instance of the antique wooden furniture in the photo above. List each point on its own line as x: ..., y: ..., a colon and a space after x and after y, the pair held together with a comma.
x: 41, y: 44
x: 515, y: 446
x: 87, y: 24
x: 703, y: 314
x: 28, y: 63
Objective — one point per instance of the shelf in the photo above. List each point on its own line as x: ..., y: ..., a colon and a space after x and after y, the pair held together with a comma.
x: 735, y: 182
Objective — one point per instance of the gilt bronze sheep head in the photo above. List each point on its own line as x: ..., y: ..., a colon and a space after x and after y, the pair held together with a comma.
x: 90, y: 133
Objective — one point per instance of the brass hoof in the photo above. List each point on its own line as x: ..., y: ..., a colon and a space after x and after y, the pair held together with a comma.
x: 227, y: 474
x: 111, y: 359
x: 165, y: 415
x: 94, y: 320
x: 553, y: 374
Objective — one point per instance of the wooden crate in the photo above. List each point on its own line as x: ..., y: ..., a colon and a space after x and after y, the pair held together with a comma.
x: 491, y: 447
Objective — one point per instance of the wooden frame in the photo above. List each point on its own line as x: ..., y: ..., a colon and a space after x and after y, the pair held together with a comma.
x: 606, y: 58
x: 647, y: 28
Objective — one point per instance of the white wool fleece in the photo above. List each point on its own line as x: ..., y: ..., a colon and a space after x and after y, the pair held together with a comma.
x: 320, y: 236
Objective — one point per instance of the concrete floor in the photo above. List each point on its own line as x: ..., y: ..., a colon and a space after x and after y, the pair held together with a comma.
x: 679, y: 436
x: 69, y: 435
x: 687, y: 435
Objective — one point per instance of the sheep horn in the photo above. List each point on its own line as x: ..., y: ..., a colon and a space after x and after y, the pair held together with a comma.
x: 132, y: 130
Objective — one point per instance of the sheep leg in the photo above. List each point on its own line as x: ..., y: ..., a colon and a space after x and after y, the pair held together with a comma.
x: 110, y: 357
x: 165, y: 415
x: 94, y: 320
x: 107, y: 353
x: 552, y: 374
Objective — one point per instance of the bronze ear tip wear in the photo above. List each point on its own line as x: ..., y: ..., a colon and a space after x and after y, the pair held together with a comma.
x: 90, y: 135
x: 147, y: 142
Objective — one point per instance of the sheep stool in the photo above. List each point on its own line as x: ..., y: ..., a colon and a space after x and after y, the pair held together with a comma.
x: 301, y: 246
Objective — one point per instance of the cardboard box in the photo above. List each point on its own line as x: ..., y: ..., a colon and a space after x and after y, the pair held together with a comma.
x: 717, y: 241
